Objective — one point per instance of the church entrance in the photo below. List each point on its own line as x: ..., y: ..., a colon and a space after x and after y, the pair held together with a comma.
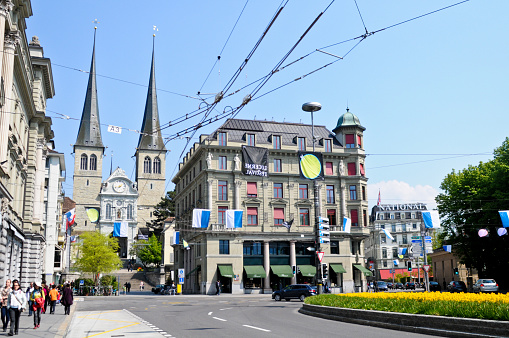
x: 122, y: 244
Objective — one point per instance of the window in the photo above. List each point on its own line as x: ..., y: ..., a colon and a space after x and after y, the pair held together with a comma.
x: 129, y: 211
x: 328, y: 168
x: 403, y: 227
x: 84, y: 162
x: 221, y: 138
x: 392, y: 216
x: 277, y: 166
x: 382, y: 226
x: 363, y: 193
x: 222, y: 190
x: 252, y: 216
x: 384, y: 252
x: 222, y: 162
x: 276, y: 142
x: 353, y: 193
x: 394, y: 252
x: 327, y: 145
x: 330, y: 194
x: 93, y: 162
x: 278, y: 190
x: 304, y: 216
x: 385, y: 264
x: 252, y: 189
x: 361, y: 167
x: 303, y: 191
x: 250, y: 140
x: 201, y: 166
x: 224, y: 247
x: 414, y: 226
x: 301, y: 142
x: 354, y: 217
x: 334, y: 247
x: 108, y: 211
x: 351, y: 169
x: 383, y: 239
x: 365, y: 218
x: 199, y: 192
x: 404, y: 238
x: 279, y: 216
x: 221, y: 215
x: 403, y: 215
x: 157, y: 165
x: 350, y: 140
x: 252, y: 248
x: 147, y: 164
x: 359, y: 141
x: 331, y: 215
x: 393, y: 227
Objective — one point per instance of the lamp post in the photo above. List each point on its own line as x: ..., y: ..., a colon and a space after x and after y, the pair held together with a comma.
x: 311, y: 107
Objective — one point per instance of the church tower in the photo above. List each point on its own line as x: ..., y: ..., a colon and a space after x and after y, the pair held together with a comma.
x: 88, y: 155
x: 150, y: 156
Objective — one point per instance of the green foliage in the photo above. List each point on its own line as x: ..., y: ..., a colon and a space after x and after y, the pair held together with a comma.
x: 97, y: 254
x: 471, y: 200
x: 152, y: 252
x: 163, y: 210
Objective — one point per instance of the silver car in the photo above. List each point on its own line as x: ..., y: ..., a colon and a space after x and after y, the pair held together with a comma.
x: 485, y: 285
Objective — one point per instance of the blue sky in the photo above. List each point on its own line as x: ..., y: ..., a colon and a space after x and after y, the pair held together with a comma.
x: 436, y: 85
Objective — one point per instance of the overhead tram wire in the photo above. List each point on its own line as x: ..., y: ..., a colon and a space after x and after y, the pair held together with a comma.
x: 358, y: 10
x: 423, y: 161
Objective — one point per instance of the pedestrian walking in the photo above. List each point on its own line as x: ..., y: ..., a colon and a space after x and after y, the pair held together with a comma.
x: 16, y: 303
x: 38, y: 300
x: 29, y: 291
x: 218, y: 287
x: 128, y: 287
x: 67, y: 299
x: 45, y: 289
x: 53, y: 295
x: 6, y: 317
x: 142, y: 286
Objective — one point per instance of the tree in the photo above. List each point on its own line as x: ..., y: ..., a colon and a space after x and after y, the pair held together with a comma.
x: 163, y: 210
x: 471, y: 200
x: 97, y: 254
x: 151, y: 252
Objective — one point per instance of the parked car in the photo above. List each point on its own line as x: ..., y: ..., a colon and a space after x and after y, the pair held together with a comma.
x: 158, y: 288
x: 399, y: 286
x: 434, y: 286
x: 485, y: 285
x: 390, y: 285
x: 382, y: 286
x: 294, y: 291
x: 409, y: 286
x: 457, y: 287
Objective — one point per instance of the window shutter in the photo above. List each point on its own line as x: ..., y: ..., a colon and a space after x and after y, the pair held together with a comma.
x: 351, y: 169
x: 328, y: 168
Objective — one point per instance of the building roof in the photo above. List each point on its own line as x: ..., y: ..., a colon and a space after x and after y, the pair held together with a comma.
x: 150, y: 137
x: 89, y: 133
x: 348, y: 120
x: 68, y: 204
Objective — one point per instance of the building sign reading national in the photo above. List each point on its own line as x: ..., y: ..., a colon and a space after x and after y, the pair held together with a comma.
x: 255, y: 161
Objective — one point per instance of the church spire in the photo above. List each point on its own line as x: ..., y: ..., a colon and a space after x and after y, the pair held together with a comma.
x: 150, y: 137
x: 89, y: 133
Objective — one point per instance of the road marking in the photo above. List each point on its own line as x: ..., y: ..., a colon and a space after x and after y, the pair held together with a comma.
x: 210, y: 313
x: 227, y: 308
x: 221, y: 319
x: 123, y: 327
x: 256, y: 328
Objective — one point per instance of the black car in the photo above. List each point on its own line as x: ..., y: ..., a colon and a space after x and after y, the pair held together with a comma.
x: 158, y: 288
x: 399, y: 286
x: 410, y: 285
x: 434, y: 286
x: 390, y: 285
x: 457, y: 287
x: 296, y: 291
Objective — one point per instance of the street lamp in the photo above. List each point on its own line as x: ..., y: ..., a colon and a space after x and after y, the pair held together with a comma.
x: 311, y: 107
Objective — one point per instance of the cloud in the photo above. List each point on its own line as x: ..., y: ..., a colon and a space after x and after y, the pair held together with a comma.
x: 394, y: 192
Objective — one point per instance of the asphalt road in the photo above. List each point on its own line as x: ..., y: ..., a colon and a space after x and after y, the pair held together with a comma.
x: 231, y: 316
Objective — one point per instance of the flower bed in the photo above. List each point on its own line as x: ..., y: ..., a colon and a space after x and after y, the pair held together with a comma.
x: 465, y: 305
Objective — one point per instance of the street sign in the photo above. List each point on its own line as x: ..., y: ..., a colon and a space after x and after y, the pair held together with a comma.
x: 416, y: 237
x: 181, y: 273
x: 82, y: 282
x: 426, y: 268
x: 320, y: 255
x: 181, y: 280
x: 324, y: 240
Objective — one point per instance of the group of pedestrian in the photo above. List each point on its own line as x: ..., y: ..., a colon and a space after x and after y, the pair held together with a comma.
x: 127, y: 286
x: 37, y: 298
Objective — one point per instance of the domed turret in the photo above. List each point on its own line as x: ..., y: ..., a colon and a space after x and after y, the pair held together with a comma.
x: 348, y: 120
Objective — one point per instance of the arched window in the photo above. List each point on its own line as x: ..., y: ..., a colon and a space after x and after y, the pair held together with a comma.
x: 108, y: 211
x: 93, y: 162
x: 84, y: 162
x: 157, y: 165
x: 129, y: 211
x: 147, y: 165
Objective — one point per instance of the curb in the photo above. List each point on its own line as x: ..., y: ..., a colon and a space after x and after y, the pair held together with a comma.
x: 64, y: 327
x: 432, y: 325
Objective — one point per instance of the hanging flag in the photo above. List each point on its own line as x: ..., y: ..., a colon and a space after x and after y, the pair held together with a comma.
x: 388, y: 234
x: 502, y: 231
x: 402, y: 251
x: 70, y: 216
x: 186, y: 245
x: 431, y: 219
x: 347, y: 223
x: 379, y: 200
x: 288, y: 225
x: 120, y: 229
x: 482, y: 232
x: 74, y: 239
x: 233, y: 219
x: 176, y: 237
x: 448, y: 248
x: 396, y: 262
x: 504, y: 215
x: 201, y: 218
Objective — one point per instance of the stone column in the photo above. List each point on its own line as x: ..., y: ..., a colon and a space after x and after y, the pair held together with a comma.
x: 40, y: 159
x: 209, y: 186
x: 293, y: 261
x: 7, y: 69
x: 266, y: 266
x: 237, y: 194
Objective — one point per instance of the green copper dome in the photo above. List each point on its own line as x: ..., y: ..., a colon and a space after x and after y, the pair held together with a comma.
x: 347, y: 120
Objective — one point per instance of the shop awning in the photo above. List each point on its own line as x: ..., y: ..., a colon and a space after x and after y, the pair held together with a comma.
x: 362, y: 269
x: 225, y: 270
x: 307, y: 270
x: 190, y: 272
x: 338, y: 268
x: 255, y: 271
x: 282, y: 270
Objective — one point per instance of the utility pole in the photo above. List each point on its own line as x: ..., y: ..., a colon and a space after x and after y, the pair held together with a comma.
x: 423, y: 239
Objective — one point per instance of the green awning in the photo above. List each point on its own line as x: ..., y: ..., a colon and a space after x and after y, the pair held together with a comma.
x: 338, y: 268
x: 225, y: 270
x: 282, y: 270
x: 366, y: 272
x: 190, y: 272
x: 255, y: 271
x: 307, y: 270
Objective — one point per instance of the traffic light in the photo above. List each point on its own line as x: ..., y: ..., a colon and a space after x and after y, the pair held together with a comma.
x: 323, y: 230
x: 294, y: 269
x: 409, y: 265
x: 456, y: 272
x: 325, y: 270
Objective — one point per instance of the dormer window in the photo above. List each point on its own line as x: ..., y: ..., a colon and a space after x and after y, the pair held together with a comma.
x: 350, y: 141
x: 221, y: 138
x: 301, y: 143
x: 250, y: 140
x: 327, y: 145
x: 276, y: 141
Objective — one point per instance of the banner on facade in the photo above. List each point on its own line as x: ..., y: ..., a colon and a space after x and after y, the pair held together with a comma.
x: 310, y: 165
x: 255, y: 161
x: 120, y: 229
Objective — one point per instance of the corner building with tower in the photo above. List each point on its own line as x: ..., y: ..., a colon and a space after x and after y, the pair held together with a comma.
x: 261, y: 255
